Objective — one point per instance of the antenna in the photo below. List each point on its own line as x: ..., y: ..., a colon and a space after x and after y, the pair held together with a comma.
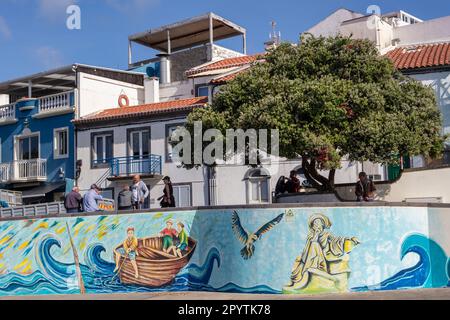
x: 274, y: 37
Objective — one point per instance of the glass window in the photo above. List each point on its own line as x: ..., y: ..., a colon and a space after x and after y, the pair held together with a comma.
x: 61, y: 143
x: 29, y: 148
x: 140, y: 144
x: 202, y: 91
x: 103, y: 148
x: 169, y: 148
x: 182, y: 195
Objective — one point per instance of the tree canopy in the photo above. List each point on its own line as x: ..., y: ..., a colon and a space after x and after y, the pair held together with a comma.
x: 330, y: 98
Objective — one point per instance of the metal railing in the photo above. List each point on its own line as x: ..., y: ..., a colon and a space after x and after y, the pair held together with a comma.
x: 57, y: 102
x: 12, y: 198
x: 8, y: 112
x: 126, y: 166
x: 54, y: 208
x: 24, y: 170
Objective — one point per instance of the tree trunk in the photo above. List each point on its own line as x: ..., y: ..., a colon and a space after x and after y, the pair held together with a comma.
x: 318, y: 181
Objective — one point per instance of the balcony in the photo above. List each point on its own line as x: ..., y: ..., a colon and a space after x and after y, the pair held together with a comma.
x: 23, y: 171
x: 8, y: 114
x: 125, y: 167
x: 47, y: 106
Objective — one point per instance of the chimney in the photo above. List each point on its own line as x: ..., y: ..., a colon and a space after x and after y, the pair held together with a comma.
x: 151, y: 89
x: 164, y: 68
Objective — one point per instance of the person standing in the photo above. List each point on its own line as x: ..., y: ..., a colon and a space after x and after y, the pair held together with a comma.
x: 124, y: 199
x: 73, y: 201
x: 139, y: 192
x: 168, y: 200
x: 365, y: 188
x: 90, y: 199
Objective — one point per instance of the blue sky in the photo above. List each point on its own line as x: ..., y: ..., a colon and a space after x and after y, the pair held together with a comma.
x: 34, y: 37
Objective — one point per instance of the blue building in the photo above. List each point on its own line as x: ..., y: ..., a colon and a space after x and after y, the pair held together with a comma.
x: 37, y: 137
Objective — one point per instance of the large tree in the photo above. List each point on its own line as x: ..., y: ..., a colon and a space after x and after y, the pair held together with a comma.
x: 330, y: 98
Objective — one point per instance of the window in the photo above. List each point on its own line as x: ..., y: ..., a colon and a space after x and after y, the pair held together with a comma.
x: 201, y: 90
x: 28, y: 148
x: 139, y: 143
x: 258, y: 189
x: 102, y: 148
x: 170, y: 128
x: 182, y: 195
x: 61, y: 143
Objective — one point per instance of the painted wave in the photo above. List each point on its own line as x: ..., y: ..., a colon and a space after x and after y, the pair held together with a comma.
x: 430, y: 271
x: 55, y: 277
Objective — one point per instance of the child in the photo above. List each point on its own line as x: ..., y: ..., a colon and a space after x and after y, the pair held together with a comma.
x: 129, y: 250
x: 183, y: 238
x: 168, y: 233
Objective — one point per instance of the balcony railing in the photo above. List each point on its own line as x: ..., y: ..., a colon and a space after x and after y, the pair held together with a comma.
x: 23, y: 171
x: 57, y: 102
x: 7, y: 112
x: 127, y: 166
x: 47, y: 105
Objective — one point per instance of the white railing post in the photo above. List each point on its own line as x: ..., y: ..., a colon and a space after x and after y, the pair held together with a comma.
x: 55, y: 102
x: 8, y: 112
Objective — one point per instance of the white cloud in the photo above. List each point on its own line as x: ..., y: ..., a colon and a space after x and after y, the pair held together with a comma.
x: 49, y: 57
x: 5, y: 31
x: 129, y: 6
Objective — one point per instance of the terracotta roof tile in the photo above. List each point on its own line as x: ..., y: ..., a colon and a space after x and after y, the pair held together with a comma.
x: 227, y: 77
x: 421, y: 56
x: 224, y: 64
x: 144, y: 109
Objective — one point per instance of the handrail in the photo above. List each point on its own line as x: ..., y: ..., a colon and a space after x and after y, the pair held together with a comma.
x: 123, y: 166
x: 56, y: 101
x: 8, y: 111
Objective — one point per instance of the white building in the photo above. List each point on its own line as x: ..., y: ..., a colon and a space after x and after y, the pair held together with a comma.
x: 120, y: 142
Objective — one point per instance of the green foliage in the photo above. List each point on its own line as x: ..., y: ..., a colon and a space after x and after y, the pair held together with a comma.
x: 331, y: 97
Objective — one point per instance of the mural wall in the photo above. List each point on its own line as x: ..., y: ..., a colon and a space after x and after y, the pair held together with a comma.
x: 298, y: 250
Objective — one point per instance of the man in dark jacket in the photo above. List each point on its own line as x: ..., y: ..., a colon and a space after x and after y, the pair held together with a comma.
x: 365, y: 188
x: 73, y: 201
x: 125, y: 199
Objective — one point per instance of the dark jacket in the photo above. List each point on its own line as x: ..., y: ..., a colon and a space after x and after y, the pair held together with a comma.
x: 73, y: 200
x: 365, y: 188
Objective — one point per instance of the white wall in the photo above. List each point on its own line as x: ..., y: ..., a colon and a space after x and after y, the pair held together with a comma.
x: 421, y: 184
x: 98, y: 93
x: 4, y: 99
x: 440, y: 82
x: 195, y: 177
x: 436, y: 30
x: 330, y: 25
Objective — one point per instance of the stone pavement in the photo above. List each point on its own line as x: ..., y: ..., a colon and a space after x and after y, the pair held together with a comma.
x: 421, y: 294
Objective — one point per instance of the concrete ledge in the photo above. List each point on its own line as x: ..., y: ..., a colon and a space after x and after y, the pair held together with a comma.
x: 420, y: 294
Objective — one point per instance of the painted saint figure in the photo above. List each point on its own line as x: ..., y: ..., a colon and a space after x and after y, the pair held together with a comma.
x: 129, y: 250
x: 323, y: 265
x: 168, y: 233
x: 183, y: 242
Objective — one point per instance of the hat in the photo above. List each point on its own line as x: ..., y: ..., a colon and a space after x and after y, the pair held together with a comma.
x: 326, y: 221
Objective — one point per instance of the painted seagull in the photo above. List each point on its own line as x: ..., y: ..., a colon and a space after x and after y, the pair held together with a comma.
x: 249, y: 239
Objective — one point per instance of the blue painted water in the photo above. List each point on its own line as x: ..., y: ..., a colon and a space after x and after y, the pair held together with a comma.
x: 55, y: 277
x: 430, y: 271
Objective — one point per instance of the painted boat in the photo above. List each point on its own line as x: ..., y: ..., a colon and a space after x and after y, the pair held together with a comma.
x: 156, y: 268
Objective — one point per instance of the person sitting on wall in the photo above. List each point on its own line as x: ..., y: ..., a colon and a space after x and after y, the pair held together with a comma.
x: 73, y: 201
x: 183, y: 242
x: 168, y: 234
x: 293, y: 183
x: 365, y: 188
x: 90, y: 199
x: 124, y: 199
x: 129, y: 250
